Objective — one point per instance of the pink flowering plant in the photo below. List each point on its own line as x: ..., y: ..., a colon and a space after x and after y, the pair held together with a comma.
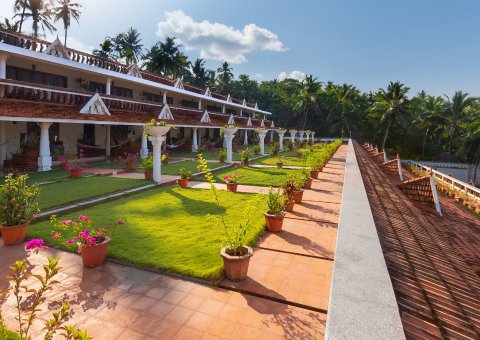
x: 35, y: 245
x: 82, y: 231
x: 79, y: 162
x: 129, y: 158
x: 233, y: 178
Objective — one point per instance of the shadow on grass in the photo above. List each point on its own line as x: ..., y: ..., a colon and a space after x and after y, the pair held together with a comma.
x: 192, y: 206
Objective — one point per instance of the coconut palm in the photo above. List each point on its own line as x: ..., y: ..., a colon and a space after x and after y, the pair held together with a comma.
x: 128, y: 46
x: 65, y: 11
x: 470, y: 142
x: 456, y: 111
x: 224, y: 77
x: 19, y: 8
x: 10, y: 25
x: 391, y: 106
x: 343, y: 107
x: 308, y: 98
x: 40, y: 12
x: 165, y: 58
x: 199, y: 73
x: 106, y: 51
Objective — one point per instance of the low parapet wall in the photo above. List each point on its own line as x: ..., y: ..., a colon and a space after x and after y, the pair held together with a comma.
x: 362, y: 301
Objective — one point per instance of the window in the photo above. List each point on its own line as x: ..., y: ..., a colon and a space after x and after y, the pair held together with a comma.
x: 189, y: 103
x: 121, y: 92
x: 170, y: 100
x: 96, y: 87
x: 32, y: 76
x: 214, y: 108
x: 158, y: 98
x: 88, y: 134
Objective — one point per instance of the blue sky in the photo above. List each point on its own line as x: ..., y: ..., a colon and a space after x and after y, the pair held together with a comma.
x: 426, y: 44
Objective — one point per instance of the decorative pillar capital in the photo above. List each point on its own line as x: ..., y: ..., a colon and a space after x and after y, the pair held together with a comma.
x: 157, y: 140
x: 262, y: 133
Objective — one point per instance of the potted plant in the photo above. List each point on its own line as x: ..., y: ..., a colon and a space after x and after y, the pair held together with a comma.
x: 256, y: 149
x: 130, y: 159
x: 184, y: 177
x: 77, y: 164
x: 289, y: 192
x: 18, y: 207
x: 92, y: 241
x: 147, y: 163
x: 246, y: 156
x: 236, y: 255
x: 157, y: 128
x: 222, y: 155
x: 64, y: 163
x: 281, y: 162
x: 275, y: 214
x: 275, y: 149
x: 165, y: 158
x: 299, y: 179
x: 232, y: 182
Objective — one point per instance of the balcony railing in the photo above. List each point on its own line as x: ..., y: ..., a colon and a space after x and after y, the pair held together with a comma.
x: 38, y: 45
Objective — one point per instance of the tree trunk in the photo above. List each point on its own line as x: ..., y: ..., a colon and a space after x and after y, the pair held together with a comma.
x: 66, y: 30
x: 450, y: 147
x: 424, y: 141
x: 21, y: 20
x: 305, y: 120
x: 386, y: 135
x: 477, y: 162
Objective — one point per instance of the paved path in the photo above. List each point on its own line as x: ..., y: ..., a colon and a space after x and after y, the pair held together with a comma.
x: 286, y: 295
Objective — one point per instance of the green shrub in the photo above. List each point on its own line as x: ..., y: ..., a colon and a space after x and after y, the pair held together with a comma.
x: 17, y: 200
x: 275, y: 202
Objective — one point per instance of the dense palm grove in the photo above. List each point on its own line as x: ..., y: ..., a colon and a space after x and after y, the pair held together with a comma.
x: 418, y: 126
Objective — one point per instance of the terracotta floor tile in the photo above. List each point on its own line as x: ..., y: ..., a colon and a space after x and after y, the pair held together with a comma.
x: 144, y: 324
x: 211, y: 307
x: 180, y: 314
x: 162, y: 308
x: 144, y: 303
x: 231, y: 312
x: 131, y: 335
x: 166, y: 329
x: 222, y: 328
x: 174, y: 296
x: 200, y: 321
x: 244, y: 332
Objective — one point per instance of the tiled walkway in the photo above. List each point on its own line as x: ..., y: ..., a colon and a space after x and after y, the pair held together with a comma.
x: 437, y: 290
x: 286, y: 295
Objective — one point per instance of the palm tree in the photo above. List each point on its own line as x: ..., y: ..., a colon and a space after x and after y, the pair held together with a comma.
x: 106, y: 51
x: 343, y: 108
x: 131, y: 46
x: 11, y: 26
x: 456, y: 111
x: 20, y: 6
x: 40, y: 13
x: 165, y: 58
x: 199, y: 73
x: 308, y: 98
x: 224, y: 77
x: 65, y: 11
x: 470, y: 143
x: 391, y: 106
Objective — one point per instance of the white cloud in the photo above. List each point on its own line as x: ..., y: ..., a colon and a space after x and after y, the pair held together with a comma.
x: 258, y: 76
x: 218, y: 41
x: 298, y: 75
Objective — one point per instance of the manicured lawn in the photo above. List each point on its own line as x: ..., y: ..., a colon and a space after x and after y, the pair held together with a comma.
x: 292, y: 161
x: 210, y: 155
x: 174, y: 168
x: 61, y: 193
x: 255, y: 176
x: 44, y: 176
x: 168, y: 228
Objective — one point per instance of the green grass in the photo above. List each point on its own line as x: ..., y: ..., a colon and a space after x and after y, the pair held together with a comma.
x: 61, y: 193
x: 255, y: 176
x: 44, y: 176
x: 174, y: 168
x: 209, y: 155
x: 168, y: 228
x: 6, y: 334
x: 292, y: 161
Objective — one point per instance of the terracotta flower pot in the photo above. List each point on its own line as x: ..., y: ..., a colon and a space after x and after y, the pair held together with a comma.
x: 75, y: 173
x: 222, y: 159
x: 246, y: 163
x: 93, y: 256
x: 236, y: 267
x: 274, y: 222
x: 183, y: 182
x: 289, y: 206
x: 149, y: 174
x: 298, y: 196
x: 130, y: 165
x: 308, y: 184
x: 280, y: 165
x: 314, y: 173
x: 299, y: 154
x: 165, y: 161
x: 64, y: 166
x: 232, y: 187
x: 14, y: 234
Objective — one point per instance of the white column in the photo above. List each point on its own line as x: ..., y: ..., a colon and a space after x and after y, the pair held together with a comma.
x: 44, y: 158
x: 228, y: 135
x: 157, y: 157
x: 144, y: 148
x: 271, y: 137
x: 223, y: 109
x: 194, y: 141
x: 280, y: 139
x: 307, y: 135
x: 199, y: 104
x: 3, y: 143
x: 164, y: 97
x: 301, y: 135
x: 108, y: 87
x: 245, y: 141
x: 292, y: 134
x: 313, y: 138
x: 3, y: 66
x: 262, y: 134
x: 199, y: 138
x: 108, y: 146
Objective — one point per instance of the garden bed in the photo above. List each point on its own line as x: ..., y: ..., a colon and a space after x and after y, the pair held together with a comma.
x: 255, y: 176
x: 167, y: 229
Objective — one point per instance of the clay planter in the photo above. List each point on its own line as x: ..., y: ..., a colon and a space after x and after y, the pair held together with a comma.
x: 274, y: 222
x: 14, y: 234
x: 298, y: 196
x: 75, y: 173
x: 183, y: 182
x: 93, y: 256
x: 232, y: 187
x: 289, y: 206
x: 149, y: 174
x: 314, y: 173
x: 64, y: 166
x: 165, y: 161
x: 236, y: 267
x: 299, y: 154
x: 222, y: 159
x: 280, y: 165
x: 246, y: 163
x: 308, y: 184
x: 130, y: 165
